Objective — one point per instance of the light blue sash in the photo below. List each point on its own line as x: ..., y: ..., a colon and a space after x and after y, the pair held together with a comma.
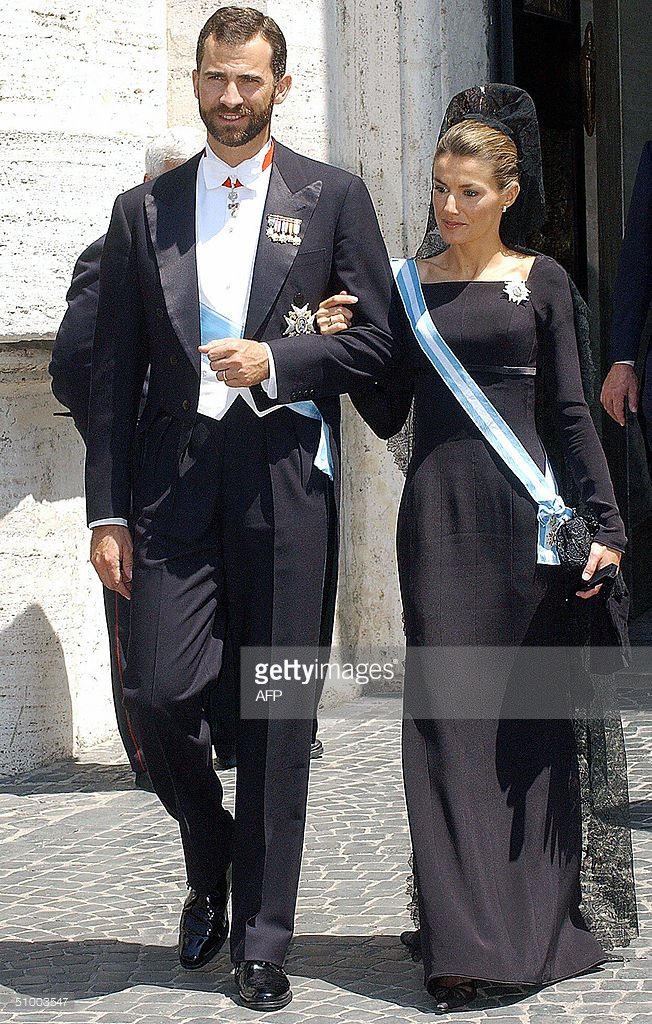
x: 215, y: 326
x: 542, y: 488
x: 323, y: 460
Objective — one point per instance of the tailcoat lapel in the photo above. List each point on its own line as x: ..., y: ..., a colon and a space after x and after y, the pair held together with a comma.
x: 274, y: 259
x: 170, y: 212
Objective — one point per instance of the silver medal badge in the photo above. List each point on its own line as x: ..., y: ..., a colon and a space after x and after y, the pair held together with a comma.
x: 516, y: 291
x: 300, y: 320
x: 233, y: 202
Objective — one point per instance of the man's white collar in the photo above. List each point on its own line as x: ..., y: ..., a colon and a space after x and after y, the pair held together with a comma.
x: 249, y: 173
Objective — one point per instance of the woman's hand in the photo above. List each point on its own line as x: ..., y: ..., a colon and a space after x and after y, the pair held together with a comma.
x: 333, y: 315
x: 599, y: 557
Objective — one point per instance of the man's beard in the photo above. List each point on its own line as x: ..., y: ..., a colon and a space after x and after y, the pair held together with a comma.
x: 236, y: 135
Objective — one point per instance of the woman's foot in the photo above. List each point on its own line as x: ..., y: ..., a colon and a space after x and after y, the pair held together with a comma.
x: 452, y: 993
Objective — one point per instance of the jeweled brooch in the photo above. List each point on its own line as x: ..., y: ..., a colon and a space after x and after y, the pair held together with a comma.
x: 284, y: 229
x: 300, y: 320
x: 517, y: 291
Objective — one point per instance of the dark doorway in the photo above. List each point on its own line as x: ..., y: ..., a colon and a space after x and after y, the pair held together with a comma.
x: 546, y: 62
x: 539, y: 45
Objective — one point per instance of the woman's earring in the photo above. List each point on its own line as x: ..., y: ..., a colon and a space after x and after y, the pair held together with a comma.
x: 504, y: 209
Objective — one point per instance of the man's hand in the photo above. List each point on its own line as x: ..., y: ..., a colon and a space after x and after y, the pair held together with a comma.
x: 112, y: 557
x: 238, y: 362
x: 620, y: 383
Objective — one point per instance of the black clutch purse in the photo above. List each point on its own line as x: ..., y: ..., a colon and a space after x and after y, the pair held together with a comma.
x: 573, y: 539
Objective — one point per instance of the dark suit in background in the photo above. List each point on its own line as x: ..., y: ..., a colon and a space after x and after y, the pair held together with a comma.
x: 633, y: 288
x: 232, y: 518
x: 70, y: 370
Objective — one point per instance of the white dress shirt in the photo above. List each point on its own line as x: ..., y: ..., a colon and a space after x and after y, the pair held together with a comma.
x: 226, y: 252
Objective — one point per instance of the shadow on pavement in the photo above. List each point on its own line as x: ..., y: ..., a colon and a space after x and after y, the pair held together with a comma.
x: 70, y: 777
x: 377, y: 967
x: 640, y: 813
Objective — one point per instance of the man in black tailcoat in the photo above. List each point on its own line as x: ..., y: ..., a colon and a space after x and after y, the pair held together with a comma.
x: 632, y: 297
x: 210, y: 275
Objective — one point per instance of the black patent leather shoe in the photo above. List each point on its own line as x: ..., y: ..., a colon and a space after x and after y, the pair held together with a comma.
x: 412, y: 940
x: 204, y: 927
x: 262, y: 986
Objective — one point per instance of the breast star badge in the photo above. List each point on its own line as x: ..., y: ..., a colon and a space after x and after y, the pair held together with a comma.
x: 516, y: 291
x: 300, y: 320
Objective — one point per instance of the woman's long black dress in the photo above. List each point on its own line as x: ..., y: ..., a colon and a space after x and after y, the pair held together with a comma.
x: 493, y: 804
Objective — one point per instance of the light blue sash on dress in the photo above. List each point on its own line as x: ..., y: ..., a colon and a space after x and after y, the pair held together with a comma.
x: 542, y: 488
x: 215, y: 326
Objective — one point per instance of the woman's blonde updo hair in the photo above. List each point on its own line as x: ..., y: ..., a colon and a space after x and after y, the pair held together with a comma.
x: 480, y: 140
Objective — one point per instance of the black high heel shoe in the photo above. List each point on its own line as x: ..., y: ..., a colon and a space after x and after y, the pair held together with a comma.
x: 412, y: 942
x: 449, y: 998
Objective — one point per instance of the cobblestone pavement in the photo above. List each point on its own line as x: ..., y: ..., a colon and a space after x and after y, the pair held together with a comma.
x: 92, y: 884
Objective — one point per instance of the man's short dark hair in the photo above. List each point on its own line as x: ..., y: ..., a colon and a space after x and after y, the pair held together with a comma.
x: 236, y: 25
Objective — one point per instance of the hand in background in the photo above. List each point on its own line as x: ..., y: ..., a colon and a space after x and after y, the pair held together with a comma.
x: 112, y: 557
x: 620, y: 383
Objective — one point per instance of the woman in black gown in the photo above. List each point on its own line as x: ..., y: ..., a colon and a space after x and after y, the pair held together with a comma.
x: 493, y: 799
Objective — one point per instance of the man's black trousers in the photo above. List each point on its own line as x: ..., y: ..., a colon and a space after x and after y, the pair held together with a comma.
x: 217, y: 554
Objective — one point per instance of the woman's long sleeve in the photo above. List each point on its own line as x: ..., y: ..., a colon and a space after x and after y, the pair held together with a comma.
x: 385, y: 404
x: 559, y: 363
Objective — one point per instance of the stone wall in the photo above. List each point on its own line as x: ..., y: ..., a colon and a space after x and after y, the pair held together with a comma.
x: 84, y: 85
x: 397, y: 66
x: 54, y: 690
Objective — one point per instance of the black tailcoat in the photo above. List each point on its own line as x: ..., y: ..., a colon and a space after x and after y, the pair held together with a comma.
x: 633, y: 287
x: 70, y: 369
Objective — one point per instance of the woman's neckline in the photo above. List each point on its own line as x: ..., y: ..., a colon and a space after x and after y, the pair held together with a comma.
x: 480, y: 280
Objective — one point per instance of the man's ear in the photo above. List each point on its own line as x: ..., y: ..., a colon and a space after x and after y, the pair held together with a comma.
x: 282, y: 88
x: 195, y: 83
